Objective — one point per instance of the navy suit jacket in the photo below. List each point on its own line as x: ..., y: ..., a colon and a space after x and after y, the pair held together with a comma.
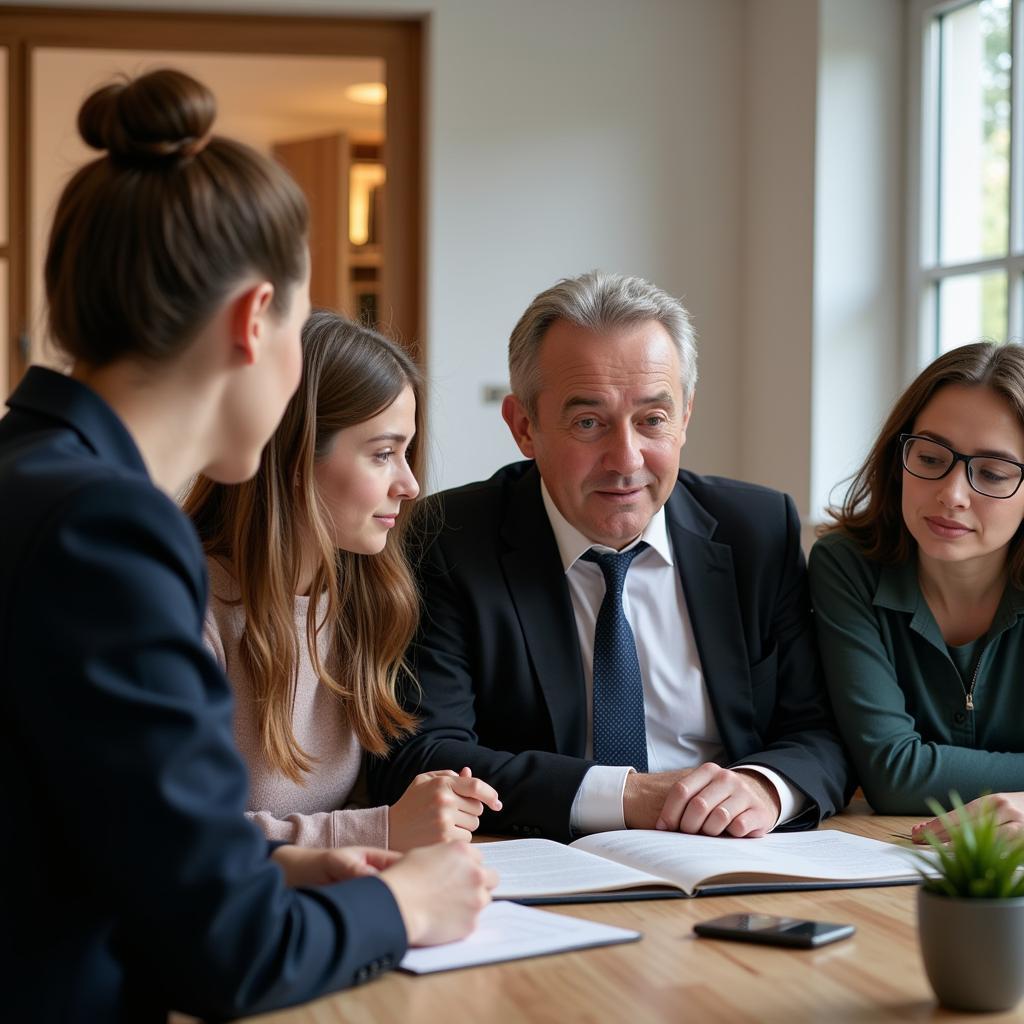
x: 131, y: 881
x: 499, y: 669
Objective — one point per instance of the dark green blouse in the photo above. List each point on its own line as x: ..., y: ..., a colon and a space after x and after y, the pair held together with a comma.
x: 897, y: 690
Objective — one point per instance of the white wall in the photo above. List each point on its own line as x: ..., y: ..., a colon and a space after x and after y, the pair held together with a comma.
x: 564, y: 135
x: 820, y: 347
x: 857, y: 365
x: 682, y: 140
x: 773, y: 394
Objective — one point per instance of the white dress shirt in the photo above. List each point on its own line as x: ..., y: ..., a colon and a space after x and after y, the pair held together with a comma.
x: 681, y: 728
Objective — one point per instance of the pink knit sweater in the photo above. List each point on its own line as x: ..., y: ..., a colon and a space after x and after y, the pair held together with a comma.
x: 312, y: 814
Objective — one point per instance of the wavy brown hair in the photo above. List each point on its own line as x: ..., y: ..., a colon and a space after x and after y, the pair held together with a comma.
x: 871, y: 513
x: 349, y: 375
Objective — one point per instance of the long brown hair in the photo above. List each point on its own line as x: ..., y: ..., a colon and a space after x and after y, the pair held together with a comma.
x: 349, y: 375
x: 148, y: 239
x: 871, y: 513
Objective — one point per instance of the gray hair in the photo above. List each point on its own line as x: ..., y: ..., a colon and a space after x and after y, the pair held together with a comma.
x: 597, y: 301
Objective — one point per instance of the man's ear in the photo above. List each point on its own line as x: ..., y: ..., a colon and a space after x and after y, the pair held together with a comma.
x: 518, y: 419
x: 248, y: 320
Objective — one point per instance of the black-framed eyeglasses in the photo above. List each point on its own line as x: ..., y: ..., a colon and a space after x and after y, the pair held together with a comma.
x: 929, y: 459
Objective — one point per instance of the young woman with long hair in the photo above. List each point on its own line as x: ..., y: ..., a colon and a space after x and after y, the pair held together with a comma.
x: 313, y: 604
x: 177, y: 280
x: 918, y: 590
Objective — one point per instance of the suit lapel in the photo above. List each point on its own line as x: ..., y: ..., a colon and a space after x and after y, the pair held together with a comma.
x: 709, y: 587
x: 536, y: 582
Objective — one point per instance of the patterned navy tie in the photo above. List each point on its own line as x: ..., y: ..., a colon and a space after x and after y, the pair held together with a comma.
x: 620, y: 736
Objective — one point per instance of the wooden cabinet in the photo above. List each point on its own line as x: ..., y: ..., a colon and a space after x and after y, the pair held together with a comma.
x: 344, y: 184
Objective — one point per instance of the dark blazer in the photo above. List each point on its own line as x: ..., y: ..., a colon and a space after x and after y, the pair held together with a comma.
x: 131, y: 881
x: 502, y: 687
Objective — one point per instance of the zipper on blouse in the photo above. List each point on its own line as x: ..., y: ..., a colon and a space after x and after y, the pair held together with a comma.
x: 969, y: 695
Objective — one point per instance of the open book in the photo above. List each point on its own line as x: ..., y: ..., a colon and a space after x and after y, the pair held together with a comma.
x: 647, y: 864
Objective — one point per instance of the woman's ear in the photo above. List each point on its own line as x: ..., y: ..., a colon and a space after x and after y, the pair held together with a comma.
x: 249, y: 312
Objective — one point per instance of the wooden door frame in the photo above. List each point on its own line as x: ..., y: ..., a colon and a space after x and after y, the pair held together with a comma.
x: 397, y: 41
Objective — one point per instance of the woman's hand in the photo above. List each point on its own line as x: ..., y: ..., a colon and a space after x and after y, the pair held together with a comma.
x: 437, y: 807
x: 1008, y: 807
x: 305, y: 866
x: 440, y: 891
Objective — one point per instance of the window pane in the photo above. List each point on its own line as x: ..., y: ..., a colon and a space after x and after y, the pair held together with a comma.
x: 970, y: 308
x: 974, y: 147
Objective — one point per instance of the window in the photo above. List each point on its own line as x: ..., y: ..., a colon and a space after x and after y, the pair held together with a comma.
x: 966, y: 246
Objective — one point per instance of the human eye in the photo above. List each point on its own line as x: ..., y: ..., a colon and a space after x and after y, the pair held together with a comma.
x: 992, y: 473
x: 586, y: 426
x: 384, y: 456
x: 655, y: 420
x: 928, y: 455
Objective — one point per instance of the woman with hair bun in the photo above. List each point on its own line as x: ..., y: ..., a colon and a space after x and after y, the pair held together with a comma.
x: 312, y: 603
x: 177, y: 279
x: 918, y: 590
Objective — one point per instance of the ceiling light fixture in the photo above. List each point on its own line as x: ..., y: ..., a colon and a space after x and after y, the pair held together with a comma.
x: 374, y: 94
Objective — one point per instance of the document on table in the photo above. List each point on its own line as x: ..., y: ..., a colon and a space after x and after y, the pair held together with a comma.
x: 508, y: 931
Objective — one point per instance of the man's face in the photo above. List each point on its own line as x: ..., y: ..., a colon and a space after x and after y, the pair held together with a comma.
x: 609, y: 427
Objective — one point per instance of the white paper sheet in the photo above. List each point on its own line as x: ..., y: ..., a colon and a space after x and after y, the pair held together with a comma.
x: 508, y: 931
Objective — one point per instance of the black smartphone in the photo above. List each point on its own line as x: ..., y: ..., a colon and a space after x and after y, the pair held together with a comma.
x: 776, y: 931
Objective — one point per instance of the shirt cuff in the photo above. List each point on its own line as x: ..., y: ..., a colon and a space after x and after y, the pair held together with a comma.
x: 791, y: 800
x: 597, y: 806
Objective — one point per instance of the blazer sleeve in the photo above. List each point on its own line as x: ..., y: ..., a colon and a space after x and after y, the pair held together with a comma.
x: 460, y: 648
x: 898, y: 768
x: 801, y: 740
x: 134, y: 718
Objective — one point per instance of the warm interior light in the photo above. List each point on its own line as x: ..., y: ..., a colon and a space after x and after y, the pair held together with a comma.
x: 364, y: 180
x: 373, y: 93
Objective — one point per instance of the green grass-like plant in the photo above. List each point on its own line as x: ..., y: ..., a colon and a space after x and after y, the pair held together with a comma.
x: 978, y: 861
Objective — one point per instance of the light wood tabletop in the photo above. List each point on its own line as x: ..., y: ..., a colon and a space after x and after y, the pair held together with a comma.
x: 670, y: 975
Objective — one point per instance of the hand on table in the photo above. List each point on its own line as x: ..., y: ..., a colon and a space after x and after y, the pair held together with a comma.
x: 307, y: 866
x: 440, y: 891
x: 1009, y: 809
x: 437, y: 807
x: 644, y: 796
x: 712, y: 800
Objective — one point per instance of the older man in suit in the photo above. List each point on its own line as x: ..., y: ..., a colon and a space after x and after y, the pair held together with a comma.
x: 609, y: 641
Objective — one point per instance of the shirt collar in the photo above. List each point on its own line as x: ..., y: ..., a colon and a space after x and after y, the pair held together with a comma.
x: 899, y: 590
x: 46, y: 392
x: 572, y: 544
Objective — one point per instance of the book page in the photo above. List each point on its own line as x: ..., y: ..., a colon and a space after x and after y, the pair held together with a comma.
x: 690, y: 861
x: 507, y: 931
x: 541, y: 867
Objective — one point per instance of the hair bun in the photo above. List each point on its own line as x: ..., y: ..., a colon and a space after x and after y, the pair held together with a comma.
x: 159, y: 116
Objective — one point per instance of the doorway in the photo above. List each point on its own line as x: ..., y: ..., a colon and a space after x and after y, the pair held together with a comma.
x: 366, y: 238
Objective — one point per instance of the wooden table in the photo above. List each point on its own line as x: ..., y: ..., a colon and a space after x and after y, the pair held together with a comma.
x: 670, y: 975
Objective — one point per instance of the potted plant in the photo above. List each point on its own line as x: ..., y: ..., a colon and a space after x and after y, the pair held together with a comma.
x: 970, y: 912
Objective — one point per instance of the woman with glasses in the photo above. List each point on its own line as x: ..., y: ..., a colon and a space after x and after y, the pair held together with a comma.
x: 918, y: 590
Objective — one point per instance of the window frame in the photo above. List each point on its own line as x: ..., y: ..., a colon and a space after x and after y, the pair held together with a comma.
x: 923, y: 112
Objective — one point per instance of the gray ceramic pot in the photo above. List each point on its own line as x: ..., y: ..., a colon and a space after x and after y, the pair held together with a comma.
x: 973, y: 950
